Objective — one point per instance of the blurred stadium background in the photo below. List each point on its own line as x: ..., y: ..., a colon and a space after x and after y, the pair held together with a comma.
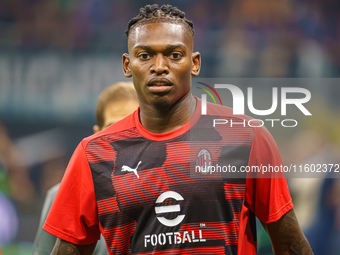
x: 56, y: 56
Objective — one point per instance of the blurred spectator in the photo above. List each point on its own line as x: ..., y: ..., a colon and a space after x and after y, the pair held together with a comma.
x: 9, y: 221
x: 324, y: 232
x: 312, y: 61
x: 317, y: 202
x: 270, y: 33
x: 15, y: 178
x: 114, y: 103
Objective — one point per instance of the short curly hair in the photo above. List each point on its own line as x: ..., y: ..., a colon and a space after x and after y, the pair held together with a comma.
x: 166, y: 13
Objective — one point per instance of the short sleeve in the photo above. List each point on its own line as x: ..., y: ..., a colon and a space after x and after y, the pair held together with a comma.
x: 267, y: 196
x: 73, y: 216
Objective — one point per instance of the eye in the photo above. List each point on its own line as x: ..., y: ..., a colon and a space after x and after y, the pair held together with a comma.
x: 176, y: 55
x: 144, y: 56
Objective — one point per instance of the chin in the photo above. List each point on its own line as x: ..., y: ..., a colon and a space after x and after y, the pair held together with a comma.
x: 162, y: 105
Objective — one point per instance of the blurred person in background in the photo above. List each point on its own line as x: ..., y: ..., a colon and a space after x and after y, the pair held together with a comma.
x: 114, y: 103
x: 14, y: 178
x: 317, y: 199
x: 324, y: 231
x: 16, y: 191
x: 9, y: 217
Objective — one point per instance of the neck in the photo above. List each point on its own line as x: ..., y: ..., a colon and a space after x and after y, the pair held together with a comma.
x: 164, y: 120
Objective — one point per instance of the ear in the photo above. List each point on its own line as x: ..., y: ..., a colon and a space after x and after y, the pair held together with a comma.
x: 196, y: 63
x: 126, y: 65
x: 96, y: 129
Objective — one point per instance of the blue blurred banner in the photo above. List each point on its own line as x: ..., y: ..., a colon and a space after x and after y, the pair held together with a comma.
x: 54, y: 86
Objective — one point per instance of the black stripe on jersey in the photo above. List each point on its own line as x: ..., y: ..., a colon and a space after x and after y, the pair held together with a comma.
x: 231, y: 250
x: 101, y: 174
x: 201, y: 206
x: 236, y: 180
x: 237, y: 156
x: 210, y: 211
x: 130, y: 151
x: 112, y: 220
x: 200, y: 134
x: 252, y: 221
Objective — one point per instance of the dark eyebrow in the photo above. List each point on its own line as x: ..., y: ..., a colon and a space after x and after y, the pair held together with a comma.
x: 169, y: 47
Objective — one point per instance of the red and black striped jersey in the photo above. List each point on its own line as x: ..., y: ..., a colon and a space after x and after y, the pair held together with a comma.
x: 142, y: 190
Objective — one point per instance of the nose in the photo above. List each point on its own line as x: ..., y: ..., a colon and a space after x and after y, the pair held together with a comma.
x: 160, y: 65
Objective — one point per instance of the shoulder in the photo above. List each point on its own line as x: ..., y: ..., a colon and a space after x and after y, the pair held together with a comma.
x: 227, y: 112
x: 52, y: 191
x: 233, y: 127
x: 223, y: 117
x: 125, y: 124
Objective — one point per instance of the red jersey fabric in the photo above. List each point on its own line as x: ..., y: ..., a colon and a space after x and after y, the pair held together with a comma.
x: 136, y: 188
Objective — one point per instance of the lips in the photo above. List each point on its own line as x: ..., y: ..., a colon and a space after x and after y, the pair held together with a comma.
x: 159, y: 82
x: 159, y: 85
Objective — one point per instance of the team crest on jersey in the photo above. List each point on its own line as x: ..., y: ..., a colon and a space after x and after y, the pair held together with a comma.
x: 203, y: 159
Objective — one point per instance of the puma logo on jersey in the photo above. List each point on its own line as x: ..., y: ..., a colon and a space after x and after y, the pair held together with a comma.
x: 129, y: 169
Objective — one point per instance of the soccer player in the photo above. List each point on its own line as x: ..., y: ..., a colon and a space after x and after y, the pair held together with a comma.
x: 132, y: 181
x: 114, y: 103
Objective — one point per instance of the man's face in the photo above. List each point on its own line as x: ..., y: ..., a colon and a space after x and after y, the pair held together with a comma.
x: 161, y: 62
